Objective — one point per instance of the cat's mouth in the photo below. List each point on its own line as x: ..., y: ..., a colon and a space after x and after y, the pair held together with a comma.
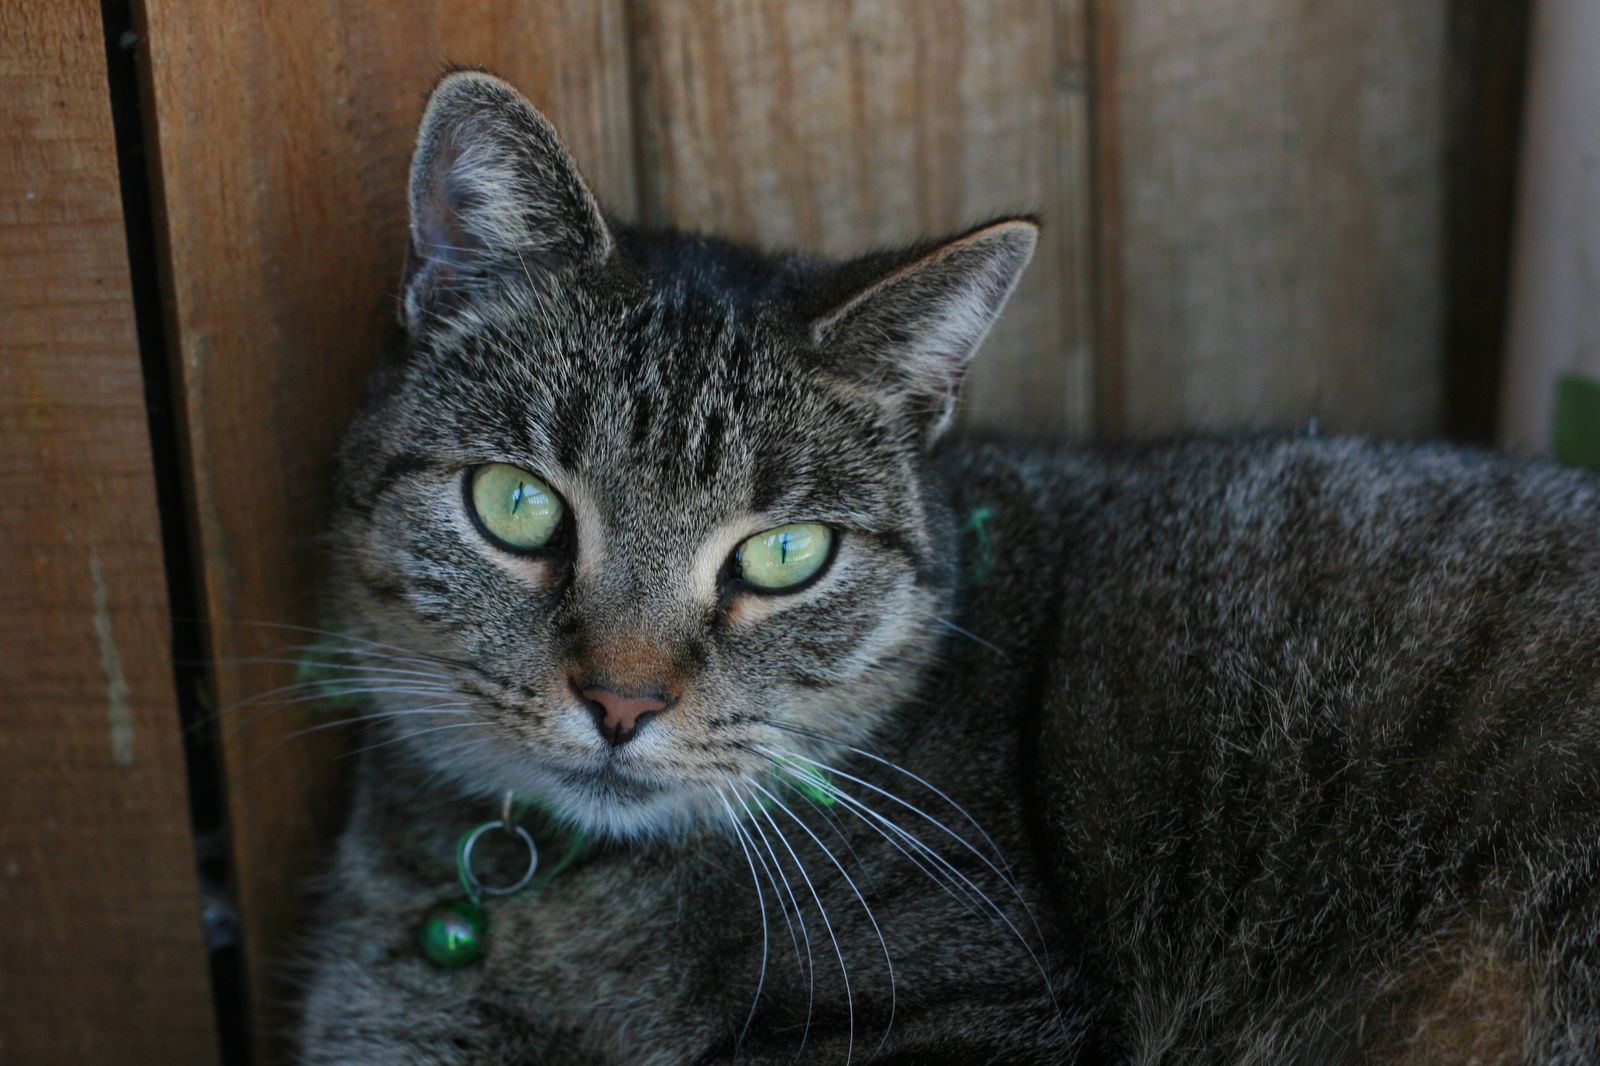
x: 608, y: 779
x: 612, y: 799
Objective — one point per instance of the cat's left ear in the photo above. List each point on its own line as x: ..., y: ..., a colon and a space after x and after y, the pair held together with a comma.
x: 914, y: 331
x: 493, y: 194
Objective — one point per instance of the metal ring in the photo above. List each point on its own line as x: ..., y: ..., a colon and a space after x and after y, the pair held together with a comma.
x: 476, y: 886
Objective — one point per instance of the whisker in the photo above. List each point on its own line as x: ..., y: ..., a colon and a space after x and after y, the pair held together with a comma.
x: 951, y: 870
x: 442, y: 708
x: 838, y: 832
x: 925, y: 857
x: 1004, y: 875
x: 761, y: 900
x: 236, y: 726
x: 314, y: 690
x: 773, y: 876
x: 931, y: 787
x: 329, y: 664
x: 844, y: 744
x: 935, y: 855
x: 440, y: 753
x: 334, y: 634
x: 327, y: 634
x: 888, y: 961
x: 827, y: 923
x: 954, y: 889
x: 412, y: 734
x: 969, y: 635
x: 339, y: 688
x: 451, y: 709
x: 805, y: 931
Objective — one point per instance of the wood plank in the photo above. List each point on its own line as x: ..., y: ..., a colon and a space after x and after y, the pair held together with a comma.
x: 1554, y: 320
x: 845, y: 125
x: 103, y: 959
x: 283, y: 133
x: 1278, y: 196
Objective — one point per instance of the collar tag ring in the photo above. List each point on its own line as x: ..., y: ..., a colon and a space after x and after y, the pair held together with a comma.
x: 476, y: 887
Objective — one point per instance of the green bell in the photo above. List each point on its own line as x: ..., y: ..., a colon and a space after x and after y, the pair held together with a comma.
x: 454, y: 933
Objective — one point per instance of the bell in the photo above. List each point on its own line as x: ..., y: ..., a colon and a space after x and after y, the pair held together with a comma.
x: 454, y: 933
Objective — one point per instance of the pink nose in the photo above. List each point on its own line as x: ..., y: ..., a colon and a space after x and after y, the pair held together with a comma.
x: 617, y: 716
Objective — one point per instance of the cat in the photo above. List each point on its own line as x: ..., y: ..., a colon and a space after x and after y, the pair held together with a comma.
x: 857, y: 742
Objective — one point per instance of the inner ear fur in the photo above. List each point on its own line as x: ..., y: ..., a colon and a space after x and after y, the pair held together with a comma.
x: 492, y: 189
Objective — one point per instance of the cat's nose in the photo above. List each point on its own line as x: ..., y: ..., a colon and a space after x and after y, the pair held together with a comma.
x: 618, y: 716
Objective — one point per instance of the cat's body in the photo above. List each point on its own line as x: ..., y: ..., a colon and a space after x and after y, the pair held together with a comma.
x: 1267, y: 750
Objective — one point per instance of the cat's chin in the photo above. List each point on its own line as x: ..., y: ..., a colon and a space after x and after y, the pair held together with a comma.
x: 604, y: 812
x: 612, y: 806
x: 603, y: 800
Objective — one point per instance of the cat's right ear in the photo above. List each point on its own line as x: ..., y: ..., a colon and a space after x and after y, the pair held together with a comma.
x: 493, y: 191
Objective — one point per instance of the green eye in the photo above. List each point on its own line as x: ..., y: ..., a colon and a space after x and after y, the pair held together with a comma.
x: 784, y: 557
x: 515, y: 509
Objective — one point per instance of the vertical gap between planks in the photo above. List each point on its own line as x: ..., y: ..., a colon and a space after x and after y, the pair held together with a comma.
x: 1110, y: 401
x: 126, y: 42
x: 1486, y: 70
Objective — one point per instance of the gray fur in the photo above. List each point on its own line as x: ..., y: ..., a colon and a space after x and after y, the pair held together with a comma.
x: 1268, y: 750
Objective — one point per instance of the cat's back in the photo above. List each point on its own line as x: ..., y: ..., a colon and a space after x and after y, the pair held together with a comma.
x: 1319, y: 732
x: 1290, y: 537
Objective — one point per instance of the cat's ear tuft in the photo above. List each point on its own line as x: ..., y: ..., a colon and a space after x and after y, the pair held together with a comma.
x: 913, y: 332
x: 493, y: 191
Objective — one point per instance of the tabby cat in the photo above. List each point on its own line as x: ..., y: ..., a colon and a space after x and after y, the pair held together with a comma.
x: 856, y: 743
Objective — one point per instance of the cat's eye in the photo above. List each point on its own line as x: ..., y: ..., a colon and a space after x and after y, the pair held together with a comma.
x: 784, y: 557
x: 513, y: 508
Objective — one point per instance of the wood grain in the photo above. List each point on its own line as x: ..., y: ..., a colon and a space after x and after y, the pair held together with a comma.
x: 1278, y: 191
x: 282, y: 136
x: 103, y: 960
x: 850, y: 124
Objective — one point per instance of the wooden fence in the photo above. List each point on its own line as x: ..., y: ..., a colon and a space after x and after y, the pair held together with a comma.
x: 1257, y: 212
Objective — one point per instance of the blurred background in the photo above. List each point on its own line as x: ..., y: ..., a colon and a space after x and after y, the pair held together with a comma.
x: 1258, y: 213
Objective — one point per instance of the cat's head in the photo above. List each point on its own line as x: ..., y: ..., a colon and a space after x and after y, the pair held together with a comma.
x: 645, y: 510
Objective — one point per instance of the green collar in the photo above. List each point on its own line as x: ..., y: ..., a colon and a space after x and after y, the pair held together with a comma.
x: 455, y: 932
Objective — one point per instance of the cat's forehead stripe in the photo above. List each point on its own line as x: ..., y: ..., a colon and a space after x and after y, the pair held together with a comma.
x: 710, y: 449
